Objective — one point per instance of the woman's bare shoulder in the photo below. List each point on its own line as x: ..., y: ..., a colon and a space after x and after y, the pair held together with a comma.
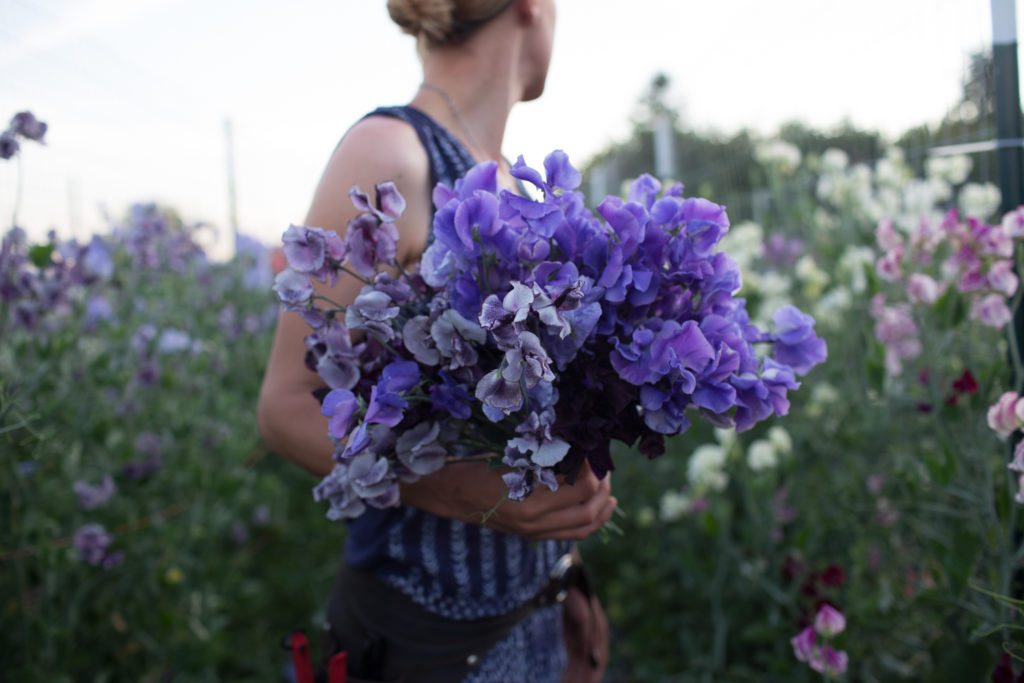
x: 374, y: 150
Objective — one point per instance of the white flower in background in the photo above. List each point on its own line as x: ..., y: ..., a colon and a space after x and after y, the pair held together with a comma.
x: 726, y: 437
x: 645, y: 516
x: 830, y: 310
x: 778, y: 153
x: 888, y: 173
x: 814, y: 278
x: 834, y: 160
x: 706, y: 468
x: 822, y: 396
x: 920, y: 197
x: 745, y: 245
x: 674, y: 504
x: 825, y: 220
x: 953, y: 170
x: 853, y: 265
x: 781, y: 440
x: 979, y: 200
x: 761, y: 455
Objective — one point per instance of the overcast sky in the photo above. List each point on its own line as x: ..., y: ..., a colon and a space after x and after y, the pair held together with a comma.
x: 137, y: 91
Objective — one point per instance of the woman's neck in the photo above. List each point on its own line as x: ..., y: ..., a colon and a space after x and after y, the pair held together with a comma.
x: 472, y: 90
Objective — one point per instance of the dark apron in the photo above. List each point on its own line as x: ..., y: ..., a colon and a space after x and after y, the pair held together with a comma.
x: 391, y: 639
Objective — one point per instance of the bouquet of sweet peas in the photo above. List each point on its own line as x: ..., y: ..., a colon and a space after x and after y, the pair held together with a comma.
x: 532, y: 329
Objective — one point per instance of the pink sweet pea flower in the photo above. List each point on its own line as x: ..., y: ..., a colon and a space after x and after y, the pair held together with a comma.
x: 1013, y: 223
x: 1002, y: 279
x: 972, y: 280
x: 829, y: 621
x: 804, y: 645
x: 832, y: 663
x: 923, y: 289
x: 991, y: 310
x: 1017, y: 465
x: 888, y: 266
x: 887, y: 237
x: 1001, y: 416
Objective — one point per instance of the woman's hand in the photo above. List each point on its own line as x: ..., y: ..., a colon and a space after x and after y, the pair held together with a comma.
x: 474, y: 492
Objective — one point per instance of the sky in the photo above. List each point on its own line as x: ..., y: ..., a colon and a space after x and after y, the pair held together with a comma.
x: 137, y: 92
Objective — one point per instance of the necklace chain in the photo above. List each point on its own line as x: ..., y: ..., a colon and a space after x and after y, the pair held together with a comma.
x: 455, y: 113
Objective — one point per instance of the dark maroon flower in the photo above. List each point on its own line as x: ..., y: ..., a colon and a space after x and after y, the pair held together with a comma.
x: 965, y: 384
x: 833, y: 576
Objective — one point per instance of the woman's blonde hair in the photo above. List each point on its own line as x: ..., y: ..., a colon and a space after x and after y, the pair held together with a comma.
x: 442, y: 22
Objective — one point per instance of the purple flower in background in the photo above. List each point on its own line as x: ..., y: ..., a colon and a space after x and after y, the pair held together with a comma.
x: 92, y: 496
x: 97, y: 259
x: 340, y: 406
x: 93, y: 544
x: 172, y: 340
x: 795, y: 343
x: 27, y: 125
x: 314, y: 251
x: 142, y: 468
x: 261, y: 515
x: 783, y: 252
x: 97, y: 310
x: 8, y: 145
x: 923, y: 289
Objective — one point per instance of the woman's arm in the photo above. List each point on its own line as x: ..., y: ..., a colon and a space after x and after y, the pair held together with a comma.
x: 376, y: 150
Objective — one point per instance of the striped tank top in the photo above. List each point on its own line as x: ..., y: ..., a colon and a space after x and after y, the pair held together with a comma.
x: 451, y: 568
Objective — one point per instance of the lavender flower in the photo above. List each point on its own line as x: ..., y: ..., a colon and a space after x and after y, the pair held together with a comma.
x: 28, y: 126
x: 93, y: 545
x: 92, y: 496
x: 8, y: 145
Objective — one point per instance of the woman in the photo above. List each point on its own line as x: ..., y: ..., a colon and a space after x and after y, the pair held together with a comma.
x: 428, y: 592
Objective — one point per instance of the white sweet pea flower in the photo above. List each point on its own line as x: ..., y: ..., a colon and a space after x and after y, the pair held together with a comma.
x: 674, y: 504
x: 761, y: 455
x: 781, y: 440
x: 979, y: 200
x: 705, y: 468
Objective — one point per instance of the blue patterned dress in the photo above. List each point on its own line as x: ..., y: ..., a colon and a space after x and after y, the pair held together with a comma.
x: 454, y: 569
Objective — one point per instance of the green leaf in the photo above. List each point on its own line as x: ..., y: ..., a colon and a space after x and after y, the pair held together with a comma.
x: 41, y: 255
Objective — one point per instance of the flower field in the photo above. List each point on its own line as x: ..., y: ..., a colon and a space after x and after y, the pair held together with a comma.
x: 872, y: 534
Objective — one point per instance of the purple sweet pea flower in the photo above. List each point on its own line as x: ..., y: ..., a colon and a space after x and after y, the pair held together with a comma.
x: 372, y: 311
x: 451, y: 397
x: 453, y: 337
x: 331, y: 355
x: 8, y: 145
x: 373, y: 480
x: 652, y: 354
x: 92, y: 496
x: 142, y: 468
x: 369, y: 242
x: 97, y: 260
x: 499, y: 394
x: 336, y: 488
x: 527, y: 362
x: 293, y: 289
x: 796, y: 344
x: 387, y: 406
x: 419, y: 450
x: 314, y: 251
x: 25, y: 124
x: 340, y: 406
x: 93, y: 544
x: 526, y: 475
